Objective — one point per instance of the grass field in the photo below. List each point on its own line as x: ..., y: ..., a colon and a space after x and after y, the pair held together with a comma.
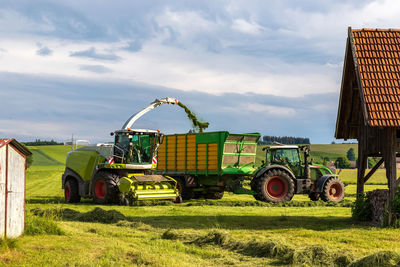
x: 236, y: 230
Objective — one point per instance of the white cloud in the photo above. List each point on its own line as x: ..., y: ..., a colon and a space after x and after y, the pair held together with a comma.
x: 248, y: 27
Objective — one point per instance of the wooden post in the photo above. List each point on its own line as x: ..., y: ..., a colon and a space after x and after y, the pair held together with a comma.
x: 362, y: 158
x: 390, y: 165
x: 362, y: 164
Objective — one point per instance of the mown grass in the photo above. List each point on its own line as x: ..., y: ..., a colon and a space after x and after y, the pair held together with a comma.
x: 236, y: 230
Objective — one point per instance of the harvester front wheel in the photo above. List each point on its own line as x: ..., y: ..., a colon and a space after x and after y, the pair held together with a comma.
x: 185, y: 192
x: 71, y: 191
x: 275, y: 186
x: 105, y: 188
x: 333, y: 190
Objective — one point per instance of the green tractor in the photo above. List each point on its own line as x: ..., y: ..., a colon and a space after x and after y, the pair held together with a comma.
x: 120, y: 172
x: 284, y: 174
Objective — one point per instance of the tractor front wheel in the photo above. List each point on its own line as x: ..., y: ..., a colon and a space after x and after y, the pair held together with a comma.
x: 275, y: 186
x: 71, y: 191
x: 105, y: 188
x: 333, y: 190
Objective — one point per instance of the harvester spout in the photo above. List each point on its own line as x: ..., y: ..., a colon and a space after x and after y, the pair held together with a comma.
x: 158, y: 102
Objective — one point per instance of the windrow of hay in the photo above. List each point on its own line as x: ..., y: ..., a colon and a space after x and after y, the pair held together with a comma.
x: 293, y: 203
x: 382, y: 258
x: 286, y: 254
x: 95, y: 215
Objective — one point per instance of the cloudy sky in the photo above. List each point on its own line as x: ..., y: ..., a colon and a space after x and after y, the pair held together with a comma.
x: 84, y: 67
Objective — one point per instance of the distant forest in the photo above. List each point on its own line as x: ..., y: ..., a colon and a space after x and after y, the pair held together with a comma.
x: 287, y: 140
x: 39, y: 142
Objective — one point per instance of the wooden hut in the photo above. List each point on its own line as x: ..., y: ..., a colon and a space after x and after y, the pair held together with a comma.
x: 12, y: 187
x: 369, y: 107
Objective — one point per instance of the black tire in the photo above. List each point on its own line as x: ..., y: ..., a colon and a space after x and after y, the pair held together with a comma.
x: 275, y: 186
x: 214, y: 195
x: 105, y: 188
x: 198, y: 195
x: 333, y: 190
x: 314, y: 196
x: 185, y: 192
x: 253, y: 185
x: 71, y: 191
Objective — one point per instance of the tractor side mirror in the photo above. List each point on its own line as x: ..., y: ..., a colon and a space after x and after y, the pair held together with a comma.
x: 112, y: 133
x: 160, y: 139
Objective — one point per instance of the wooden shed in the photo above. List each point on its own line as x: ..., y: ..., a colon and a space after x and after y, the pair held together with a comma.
x: 12, y: 187
x: 369, y: 107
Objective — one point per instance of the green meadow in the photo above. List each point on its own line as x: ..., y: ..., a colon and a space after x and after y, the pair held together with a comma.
x: 236, y: 230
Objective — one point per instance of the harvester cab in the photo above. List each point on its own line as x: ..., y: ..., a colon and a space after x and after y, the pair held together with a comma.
x: 287, y: 171
x: 136, y: 147
x: 122, y: 171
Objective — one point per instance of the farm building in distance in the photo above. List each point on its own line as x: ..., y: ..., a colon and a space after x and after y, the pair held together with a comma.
x: 12, y: 187
x: 369, y: 107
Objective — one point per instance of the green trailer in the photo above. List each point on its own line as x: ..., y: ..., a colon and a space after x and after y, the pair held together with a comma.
x: 207, y: 164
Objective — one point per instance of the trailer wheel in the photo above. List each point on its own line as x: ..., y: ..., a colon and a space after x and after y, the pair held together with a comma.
x: 185, y: 192
x: 275, y: 186
x: 333, y: 190
x: 105, y: 188
x: 314, y: 196
x: 71, y: 191
x: 214, y: 195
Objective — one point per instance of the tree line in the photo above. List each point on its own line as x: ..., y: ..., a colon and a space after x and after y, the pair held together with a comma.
x: 39, y: 142
x: 287, y: 140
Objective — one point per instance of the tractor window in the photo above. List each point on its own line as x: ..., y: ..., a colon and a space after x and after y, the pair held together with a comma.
x: 289, y: 156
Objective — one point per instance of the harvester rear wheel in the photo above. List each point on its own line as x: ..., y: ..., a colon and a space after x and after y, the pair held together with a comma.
x: 314, y: 196
x: 185, y: 192
x: 71, y: 191
x: 333, y: 190
x: 214, y: 195
x: 105, y: 188
x: 275, y: 186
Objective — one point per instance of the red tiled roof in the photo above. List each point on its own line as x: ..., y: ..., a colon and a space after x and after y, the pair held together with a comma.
x: 377, y: 52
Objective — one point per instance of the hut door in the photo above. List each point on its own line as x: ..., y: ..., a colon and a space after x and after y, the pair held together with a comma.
x: 15, y: 193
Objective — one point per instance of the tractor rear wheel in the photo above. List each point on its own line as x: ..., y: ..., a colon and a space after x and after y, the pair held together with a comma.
x: 214, y: 195
x: 71, y: 191
x: 333, y: 190
x: 185, y: 192
x: 275, y: 186
x: 105, y: 188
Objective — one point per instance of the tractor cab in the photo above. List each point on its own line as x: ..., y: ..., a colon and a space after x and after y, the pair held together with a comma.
x: 137, y: 147
x: 288, y: 156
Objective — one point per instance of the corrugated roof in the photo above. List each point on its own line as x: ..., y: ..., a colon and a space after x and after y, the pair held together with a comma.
x: 377, y: 54
x: 16, y: 144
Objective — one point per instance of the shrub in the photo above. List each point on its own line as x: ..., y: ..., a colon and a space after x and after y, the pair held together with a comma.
x: 362, y: 209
